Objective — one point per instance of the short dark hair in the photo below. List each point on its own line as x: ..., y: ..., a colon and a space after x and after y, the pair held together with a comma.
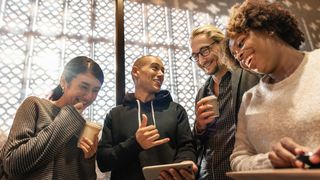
x: 142, y: 61
x: 77, y: 65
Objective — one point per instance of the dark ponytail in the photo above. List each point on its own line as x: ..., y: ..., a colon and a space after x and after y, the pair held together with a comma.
x: 56, y: 93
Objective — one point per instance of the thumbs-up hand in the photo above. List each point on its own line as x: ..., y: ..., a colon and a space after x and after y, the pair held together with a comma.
x: 148, y: 136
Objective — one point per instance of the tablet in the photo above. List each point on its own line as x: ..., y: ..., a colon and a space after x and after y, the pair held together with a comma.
x: 153, y: 172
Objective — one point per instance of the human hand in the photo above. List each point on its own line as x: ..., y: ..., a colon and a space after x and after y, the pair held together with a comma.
x: 88, y: 147
x: 79, y: 107
x: 205, y: 114
x: 147, y: 136
x: 283, y: 154
x: 315, y: 157
x: 179, y: 174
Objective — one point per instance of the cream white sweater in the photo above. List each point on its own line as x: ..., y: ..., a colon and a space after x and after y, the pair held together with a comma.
x: 269, y: 112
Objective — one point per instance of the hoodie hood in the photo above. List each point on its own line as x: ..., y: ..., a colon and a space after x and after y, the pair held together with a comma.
x: 162, y: 98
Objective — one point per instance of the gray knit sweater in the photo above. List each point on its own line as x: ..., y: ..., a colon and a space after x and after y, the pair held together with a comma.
x: 42, y: 143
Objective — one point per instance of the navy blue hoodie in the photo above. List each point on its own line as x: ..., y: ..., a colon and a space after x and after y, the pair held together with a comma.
x: 118, y: 150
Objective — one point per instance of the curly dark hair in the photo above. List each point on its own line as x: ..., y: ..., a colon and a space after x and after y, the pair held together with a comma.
x: 261, y: 15
x: 232, y: 62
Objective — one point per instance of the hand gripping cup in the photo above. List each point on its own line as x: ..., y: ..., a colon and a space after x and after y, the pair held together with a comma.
x: 213, y: 100
x: 90, y: 131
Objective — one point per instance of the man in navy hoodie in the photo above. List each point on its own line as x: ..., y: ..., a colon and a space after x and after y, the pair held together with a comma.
x: 148, y: 128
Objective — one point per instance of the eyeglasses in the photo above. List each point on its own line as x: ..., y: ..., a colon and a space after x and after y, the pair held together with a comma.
x: 204, y: 51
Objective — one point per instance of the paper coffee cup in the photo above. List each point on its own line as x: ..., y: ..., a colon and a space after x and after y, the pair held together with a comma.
x: 213, y: 100
x: 90, y: 131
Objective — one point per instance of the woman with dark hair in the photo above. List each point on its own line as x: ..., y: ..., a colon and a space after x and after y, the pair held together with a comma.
x: 42, y: 142
x: 278, y: 117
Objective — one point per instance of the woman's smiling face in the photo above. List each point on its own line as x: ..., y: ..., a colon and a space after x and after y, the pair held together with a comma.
x: 83, y: 88
x: 255, y: 51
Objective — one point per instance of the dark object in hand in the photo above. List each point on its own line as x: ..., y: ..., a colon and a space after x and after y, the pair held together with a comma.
x: 306, y: 160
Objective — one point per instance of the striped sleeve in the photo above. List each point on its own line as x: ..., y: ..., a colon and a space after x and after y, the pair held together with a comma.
x: 26, y: 149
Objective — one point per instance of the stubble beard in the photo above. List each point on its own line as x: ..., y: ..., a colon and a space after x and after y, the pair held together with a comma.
x: 216, y: 70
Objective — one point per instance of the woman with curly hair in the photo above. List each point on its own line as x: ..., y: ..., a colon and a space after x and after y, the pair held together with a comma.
x: 279, y: 118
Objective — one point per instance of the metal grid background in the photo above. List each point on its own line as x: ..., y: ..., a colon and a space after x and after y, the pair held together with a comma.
x: 37, y: 37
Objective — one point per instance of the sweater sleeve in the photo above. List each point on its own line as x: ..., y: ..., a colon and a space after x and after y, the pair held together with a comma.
x: 28, y: 150
x: 244, y: 156
x: 185, y: 143
x: 112, y: 156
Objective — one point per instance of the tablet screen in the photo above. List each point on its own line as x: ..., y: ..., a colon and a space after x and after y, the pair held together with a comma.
x: 153, y: 172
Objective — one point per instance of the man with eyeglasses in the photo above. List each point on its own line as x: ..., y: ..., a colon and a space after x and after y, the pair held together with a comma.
x: 215, y: 136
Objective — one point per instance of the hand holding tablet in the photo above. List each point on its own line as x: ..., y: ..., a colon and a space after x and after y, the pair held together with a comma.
x: 153, y: 172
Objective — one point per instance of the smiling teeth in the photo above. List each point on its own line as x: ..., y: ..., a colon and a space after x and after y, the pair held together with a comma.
x: 248, y: 60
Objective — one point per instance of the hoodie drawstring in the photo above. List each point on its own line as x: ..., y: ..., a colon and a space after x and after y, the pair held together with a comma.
x: 139, y: 118
x: 139, y: 112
